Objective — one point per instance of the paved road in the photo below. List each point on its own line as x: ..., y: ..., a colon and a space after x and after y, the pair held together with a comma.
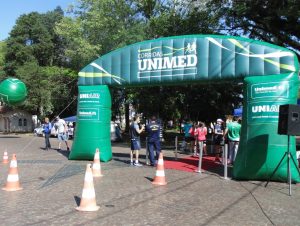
x: 53, y: 185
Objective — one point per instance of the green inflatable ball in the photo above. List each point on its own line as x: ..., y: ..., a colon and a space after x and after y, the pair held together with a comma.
x: 13, y: 91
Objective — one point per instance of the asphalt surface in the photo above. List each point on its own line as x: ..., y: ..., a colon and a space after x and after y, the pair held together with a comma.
x: 52, y: 187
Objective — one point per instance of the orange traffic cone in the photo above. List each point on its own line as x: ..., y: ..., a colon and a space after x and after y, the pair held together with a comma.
x: 88, y: 197
x: 96, y: 165
x: 160, y: 178
x: 13, y: 183
x: 5, y: 158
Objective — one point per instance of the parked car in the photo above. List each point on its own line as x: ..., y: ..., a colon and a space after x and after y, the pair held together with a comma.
x: 39, y: 131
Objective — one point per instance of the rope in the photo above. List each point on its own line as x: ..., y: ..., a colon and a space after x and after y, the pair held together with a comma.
x: 65, y: 108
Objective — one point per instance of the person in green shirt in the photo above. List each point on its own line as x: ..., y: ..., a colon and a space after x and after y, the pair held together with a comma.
x: 233, y: 131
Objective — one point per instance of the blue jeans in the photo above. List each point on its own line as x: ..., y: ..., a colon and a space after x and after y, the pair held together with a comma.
x: 47, y: 141
x: 233, y: 148
x: 151, y: 146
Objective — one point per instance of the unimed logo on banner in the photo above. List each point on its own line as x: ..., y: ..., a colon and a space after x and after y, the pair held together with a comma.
x: 168, y: 61
x: 263, y: 112
x: 272, y: 89
x: 88, y: 114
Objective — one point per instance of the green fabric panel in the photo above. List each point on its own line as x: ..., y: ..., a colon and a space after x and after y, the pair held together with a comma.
x: 93, y: 124
x: 228, y: 58
x: 261, y: 148
x: 188, y: 59
x: 256, y: 66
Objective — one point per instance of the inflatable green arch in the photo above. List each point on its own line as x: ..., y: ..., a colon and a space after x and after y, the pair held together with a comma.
x: 270, y: 75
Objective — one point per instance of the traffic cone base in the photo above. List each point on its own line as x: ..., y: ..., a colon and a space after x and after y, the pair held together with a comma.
x: 88, y: 208
x: 12, y: 189
x: 159, y: 183
x: 160, y: 178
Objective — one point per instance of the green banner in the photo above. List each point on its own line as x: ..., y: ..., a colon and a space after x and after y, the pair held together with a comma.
x: 188, y: 59
x: 261, y: 147
x: 93, y: 124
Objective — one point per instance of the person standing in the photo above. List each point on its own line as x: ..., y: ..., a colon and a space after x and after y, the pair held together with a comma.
x: 233, y: 131
x: 153, y: 140
x: 47, y: 131
x: 200, y: 134
x: 187, y: 136
x: 135, y: 140
x: 218, y: 138
x: 61, y: 131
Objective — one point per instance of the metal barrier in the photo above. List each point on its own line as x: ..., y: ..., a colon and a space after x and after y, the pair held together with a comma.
x: 225, y: 157
x: 200, y: 161
x: 199, y: 170
x: 147, y: 152
x: 176, y: 147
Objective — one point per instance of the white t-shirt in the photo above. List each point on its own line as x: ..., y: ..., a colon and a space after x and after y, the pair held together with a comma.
x: 60, y: 126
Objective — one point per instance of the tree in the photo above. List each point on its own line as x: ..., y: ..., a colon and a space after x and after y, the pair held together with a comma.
x: 49, y: 88
x: 274, y: 21
x: 98, y: 27
x: 32, y: 39
x: 2, y: 54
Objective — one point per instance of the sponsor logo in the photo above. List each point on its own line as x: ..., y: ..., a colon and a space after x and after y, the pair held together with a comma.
x: 272, y: 89
x: 269, y: 89
x: 89, y: 96
x: 87, y: 113
x: 265, y: 108
x: 162, y: 59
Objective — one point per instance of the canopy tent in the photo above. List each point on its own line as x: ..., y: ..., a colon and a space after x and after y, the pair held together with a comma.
x: 70, y: 119
x: 238, y: 112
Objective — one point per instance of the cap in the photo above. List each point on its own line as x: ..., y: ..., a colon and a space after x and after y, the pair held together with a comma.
x: 219, y: 120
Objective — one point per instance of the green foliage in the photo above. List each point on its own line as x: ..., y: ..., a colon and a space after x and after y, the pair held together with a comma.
x: 2, y: 55
x: 49, y: 88
x: 196, y: 102
x: 33, y: 40
x: 274, y: 21
x: 98, y: 27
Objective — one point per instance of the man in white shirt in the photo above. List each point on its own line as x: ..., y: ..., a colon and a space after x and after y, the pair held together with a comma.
x: 61, y: 131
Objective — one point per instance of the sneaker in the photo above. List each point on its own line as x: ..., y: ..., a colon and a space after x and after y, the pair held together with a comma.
x: 137, y: 164
x: 131, y: 164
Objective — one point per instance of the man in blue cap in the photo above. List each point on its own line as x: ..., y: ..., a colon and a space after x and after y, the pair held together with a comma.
x: 153, y: 130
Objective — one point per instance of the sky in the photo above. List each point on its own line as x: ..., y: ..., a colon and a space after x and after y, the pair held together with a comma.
x: 10, y: 10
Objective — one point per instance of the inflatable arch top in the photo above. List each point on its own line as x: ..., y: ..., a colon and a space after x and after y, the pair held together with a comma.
x: 188, y: 59
x: 269, y: 72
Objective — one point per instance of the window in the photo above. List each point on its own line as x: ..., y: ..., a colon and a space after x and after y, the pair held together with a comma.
x: 20, y: 122
x: 24, y: 122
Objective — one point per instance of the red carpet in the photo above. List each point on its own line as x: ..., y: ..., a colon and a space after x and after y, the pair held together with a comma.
x: 190, y: 164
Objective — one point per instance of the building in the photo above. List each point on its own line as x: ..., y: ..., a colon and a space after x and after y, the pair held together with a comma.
x: 14, y: 120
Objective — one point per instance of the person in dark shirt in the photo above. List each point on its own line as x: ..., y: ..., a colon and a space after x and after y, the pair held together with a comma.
x: 218, y: 138
x: 153, y: 140
x: 135, y: 140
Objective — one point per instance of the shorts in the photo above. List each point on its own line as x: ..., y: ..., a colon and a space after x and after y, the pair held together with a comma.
x: 135, y: 145
x: 62, y: 137
x: 219, y: 139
